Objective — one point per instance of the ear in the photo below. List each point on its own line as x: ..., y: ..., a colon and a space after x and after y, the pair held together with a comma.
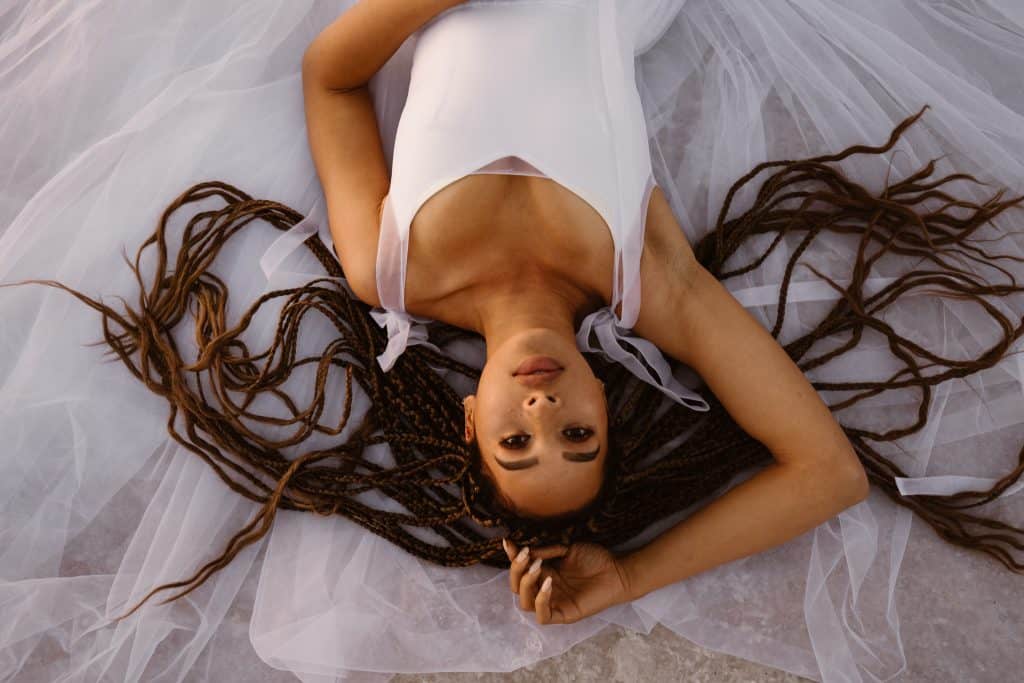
x: 468, y: 406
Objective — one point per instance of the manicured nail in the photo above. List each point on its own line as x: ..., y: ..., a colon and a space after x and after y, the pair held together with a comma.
x: 523, y: 554
x: 546, y: 586
x: 535, y: 567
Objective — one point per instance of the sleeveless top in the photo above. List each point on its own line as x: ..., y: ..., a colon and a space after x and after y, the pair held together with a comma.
x: 530, y: 87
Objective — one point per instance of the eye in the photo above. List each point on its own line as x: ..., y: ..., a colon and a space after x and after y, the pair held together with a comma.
x: 516, y: 441
x: 578, y: 433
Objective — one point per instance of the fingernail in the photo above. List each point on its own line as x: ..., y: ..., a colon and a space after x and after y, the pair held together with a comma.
x: 504, y: 544
x: 535, y: 567
x: 546, y: 586
x: 523, y: 554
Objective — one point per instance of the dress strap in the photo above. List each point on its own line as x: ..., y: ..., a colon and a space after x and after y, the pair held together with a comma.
x: 392, y: 256
x: 644, y: 360
x: 639, y: 356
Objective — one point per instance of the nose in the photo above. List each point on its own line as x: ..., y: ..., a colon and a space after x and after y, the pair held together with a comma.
x: 536, y: 400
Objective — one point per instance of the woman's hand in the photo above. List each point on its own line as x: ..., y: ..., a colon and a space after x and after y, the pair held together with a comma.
x: 575, y: 582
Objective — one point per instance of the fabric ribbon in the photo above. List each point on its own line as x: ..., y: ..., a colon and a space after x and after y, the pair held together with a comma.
x: 611, y: 340
x: 314, y: 223
x: 949, y: 484
x: 403, y: 330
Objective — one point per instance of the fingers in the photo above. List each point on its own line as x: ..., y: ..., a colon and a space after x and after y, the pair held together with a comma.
x: 523, y: 582
x: 520, y: 559
x: 528, y: 586
x: 543, y: 603
x: 550, y: 551
x: 518, y: 568
x: 547, y: 552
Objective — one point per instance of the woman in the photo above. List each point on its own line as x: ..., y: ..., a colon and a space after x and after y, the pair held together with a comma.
x: 520, y: 261
x: 388, y: 449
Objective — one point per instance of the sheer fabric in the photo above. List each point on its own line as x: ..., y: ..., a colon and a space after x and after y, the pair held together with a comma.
x: 110, y: 110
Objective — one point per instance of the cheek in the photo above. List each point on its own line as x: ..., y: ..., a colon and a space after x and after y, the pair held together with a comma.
x: 598, y: 403
x: 496, y: 402
x: 489, y: 391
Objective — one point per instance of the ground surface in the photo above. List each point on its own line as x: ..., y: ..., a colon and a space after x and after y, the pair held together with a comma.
x: 618, y: 655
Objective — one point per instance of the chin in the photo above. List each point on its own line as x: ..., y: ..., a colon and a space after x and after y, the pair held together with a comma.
x: 540, y: 342
x: 504, y: 361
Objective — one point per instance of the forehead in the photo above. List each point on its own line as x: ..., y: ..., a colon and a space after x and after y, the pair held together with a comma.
x: 552, y: 483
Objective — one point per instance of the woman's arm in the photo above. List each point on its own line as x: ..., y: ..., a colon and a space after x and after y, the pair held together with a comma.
x: 774, y: 506
x: 359, y: 42
x: 691, y: 316
x: 342, y: 126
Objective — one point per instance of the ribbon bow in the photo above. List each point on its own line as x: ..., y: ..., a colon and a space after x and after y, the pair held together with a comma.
x: 403, y: 330
x: 611, y: 340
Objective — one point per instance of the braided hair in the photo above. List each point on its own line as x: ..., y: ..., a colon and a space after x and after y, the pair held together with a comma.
x: 414, y: 411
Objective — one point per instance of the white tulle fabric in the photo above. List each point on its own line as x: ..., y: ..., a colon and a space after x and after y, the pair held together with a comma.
x: 112, y: 109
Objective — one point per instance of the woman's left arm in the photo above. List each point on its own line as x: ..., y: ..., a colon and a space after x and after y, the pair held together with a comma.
x: 691, y: 316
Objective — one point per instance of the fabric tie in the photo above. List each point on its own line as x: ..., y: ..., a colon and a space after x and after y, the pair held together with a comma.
x: 949, y: 484
x: 403, y: 330
x: 290, y: 241
x: 611, y: 340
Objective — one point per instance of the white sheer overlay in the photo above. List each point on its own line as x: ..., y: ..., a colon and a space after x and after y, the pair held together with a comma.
x: 111, y: 109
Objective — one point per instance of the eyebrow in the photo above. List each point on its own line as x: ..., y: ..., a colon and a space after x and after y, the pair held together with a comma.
x: 530, y: 462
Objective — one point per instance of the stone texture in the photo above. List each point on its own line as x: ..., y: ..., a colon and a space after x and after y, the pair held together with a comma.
x: 618, y: 655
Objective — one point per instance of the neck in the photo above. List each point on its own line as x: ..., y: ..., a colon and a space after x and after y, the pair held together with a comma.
x: 505, y: 313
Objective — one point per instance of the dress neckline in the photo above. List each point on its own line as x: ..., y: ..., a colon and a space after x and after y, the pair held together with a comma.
x: 505, y: 165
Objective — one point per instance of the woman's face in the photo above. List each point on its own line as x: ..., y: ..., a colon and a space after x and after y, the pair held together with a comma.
x: 540, y: 422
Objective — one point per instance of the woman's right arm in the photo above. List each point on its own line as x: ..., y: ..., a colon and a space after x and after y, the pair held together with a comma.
x: 342, y: 126
x: 358, y: 43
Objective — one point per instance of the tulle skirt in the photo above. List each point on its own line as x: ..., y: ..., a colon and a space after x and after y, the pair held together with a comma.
x: 111, y: 109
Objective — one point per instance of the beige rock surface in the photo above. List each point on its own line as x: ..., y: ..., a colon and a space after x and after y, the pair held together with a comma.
x: 618, y: 655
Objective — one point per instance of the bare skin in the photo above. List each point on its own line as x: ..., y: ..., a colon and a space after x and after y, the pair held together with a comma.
x: 521, y: 260
x: 499, y: 284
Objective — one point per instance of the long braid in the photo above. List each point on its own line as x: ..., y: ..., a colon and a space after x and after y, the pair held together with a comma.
x: 436, y: 476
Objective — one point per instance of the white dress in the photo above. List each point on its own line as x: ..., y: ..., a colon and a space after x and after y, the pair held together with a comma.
x: 111, y: 110
x: 528, y: 88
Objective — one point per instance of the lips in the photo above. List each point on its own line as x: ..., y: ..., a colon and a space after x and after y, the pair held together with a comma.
x: 538, y: 365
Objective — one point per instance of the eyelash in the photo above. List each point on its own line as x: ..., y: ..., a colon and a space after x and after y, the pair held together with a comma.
x: 579, y: 434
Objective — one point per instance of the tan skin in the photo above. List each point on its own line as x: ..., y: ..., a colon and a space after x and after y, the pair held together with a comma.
x: 517, y: 289
x: 546, y: 262
x: 519, y: 292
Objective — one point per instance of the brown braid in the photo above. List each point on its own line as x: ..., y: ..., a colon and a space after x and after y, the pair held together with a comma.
x: 436, y: 476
